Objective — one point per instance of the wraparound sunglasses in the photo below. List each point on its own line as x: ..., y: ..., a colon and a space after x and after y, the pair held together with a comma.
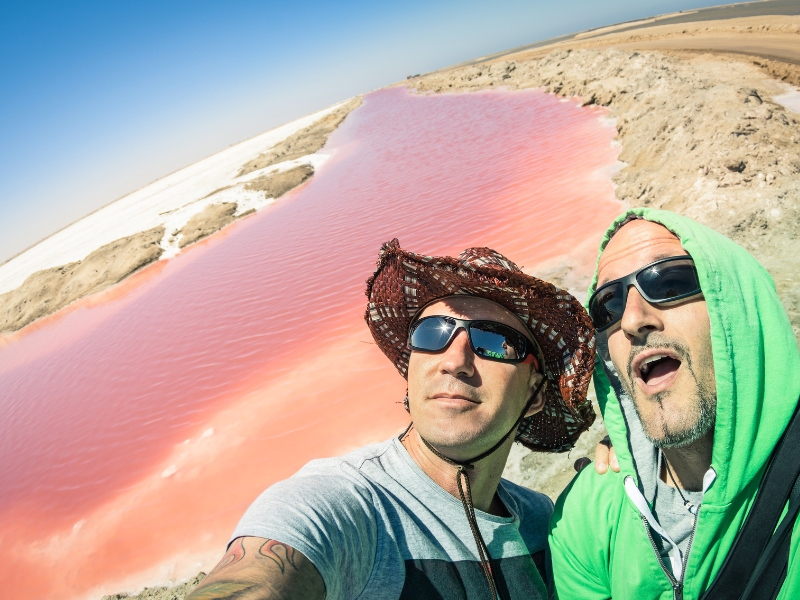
x: 665, y: 280
x: 487, y: 339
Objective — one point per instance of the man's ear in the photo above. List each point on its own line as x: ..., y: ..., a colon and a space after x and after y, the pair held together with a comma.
x: 538, y: 403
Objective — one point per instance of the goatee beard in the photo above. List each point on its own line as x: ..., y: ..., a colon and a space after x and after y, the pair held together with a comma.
x: 699, y: 415
x: 704, y: 410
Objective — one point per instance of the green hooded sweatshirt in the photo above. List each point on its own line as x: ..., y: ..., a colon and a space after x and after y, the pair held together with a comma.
x: 600, y: 544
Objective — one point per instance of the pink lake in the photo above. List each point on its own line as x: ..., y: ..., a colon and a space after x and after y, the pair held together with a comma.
x: 139, y: 423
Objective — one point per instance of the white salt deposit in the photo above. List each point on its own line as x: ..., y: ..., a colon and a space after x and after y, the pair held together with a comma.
x: 790, y: 100
x: 170, y: 201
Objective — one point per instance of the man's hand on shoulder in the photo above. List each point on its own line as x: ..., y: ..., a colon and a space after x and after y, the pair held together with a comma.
x: 604, y: 457
x: 261, y: 569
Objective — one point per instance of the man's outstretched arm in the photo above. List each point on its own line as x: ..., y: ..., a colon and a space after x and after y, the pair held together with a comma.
x: 261, y: 569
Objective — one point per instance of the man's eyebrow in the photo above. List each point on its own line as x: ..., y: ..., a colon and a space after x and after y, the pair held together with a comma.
x: 656, y: 258
x: 664, y: 255
x: 602, y: 282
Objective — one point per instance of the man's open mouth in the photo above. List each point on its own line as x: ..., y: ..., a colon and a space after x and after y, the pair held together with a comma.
x: 657, y: 368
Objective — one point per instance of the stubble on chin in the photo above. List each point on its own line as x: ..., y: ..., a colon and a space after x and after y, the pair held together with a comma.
x: 665, y: 426
x: 677, y: 430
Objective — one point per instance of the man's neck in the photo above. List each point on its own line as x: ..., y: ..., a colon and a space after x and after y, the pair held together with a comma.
x: 483, y: 478
x: 689, y: 464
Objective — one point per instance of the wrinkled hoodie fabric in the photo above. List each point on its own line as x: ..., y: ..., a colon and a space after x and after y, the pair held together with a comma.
x: 623, y: 535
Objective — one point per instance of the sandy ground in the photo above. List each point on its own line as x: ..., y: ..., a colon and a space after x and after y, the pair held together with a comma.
x: 163, y: 218
x: 209, y: 220
x: 216, y: 216
x: 551, y: 473
x: 774, y: 37
x: 178, y: 592
x: 716, y: 15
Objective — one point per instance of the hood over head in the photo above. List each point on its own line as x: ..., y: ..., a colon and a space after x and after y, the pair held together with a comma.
x: 757, y: 370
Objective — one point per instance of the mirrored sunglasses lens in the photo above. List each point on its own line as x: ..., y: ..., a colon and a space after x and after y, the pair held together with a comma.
x: 494, y: 340
x: 431, y: 334
x: 606, y: 306
x: 669, y: 280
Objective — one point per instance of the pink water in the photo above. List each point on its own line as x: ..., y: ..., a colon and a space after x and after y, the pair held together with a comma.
x: 140, y: 423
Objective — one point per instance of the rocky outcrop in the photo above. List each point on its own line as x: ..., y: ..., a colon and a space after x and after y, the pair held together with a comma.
x: 209, y: 220
x: 48, y: 290
x: 277, y: 183
x: 304, y: 142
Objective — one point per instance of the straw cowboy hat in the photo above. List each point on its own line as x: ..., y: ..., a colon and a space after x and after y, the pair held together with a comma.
x: 404, y: 283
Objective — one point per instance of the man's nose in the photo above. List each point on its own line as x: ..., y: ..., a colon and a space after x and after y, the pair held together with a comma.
x: 640, y: 317
x: 458, y: 359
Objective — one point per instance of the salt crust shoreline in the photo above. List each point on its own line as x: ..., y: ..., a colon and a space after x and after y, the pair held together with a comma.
x: 161, y: 219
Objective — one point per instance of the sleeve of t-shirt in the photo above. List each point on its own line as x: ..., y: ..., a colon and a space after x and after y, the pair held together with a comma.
x: 328, y: 516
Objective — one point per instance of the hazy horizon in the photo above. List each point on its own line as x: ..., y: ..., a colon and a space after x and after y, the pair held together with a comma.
x: 102, y: 100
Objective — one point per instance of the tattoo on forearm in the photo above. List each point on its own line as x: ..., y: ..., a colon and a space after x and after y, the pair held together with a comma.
x: 268, y: 550
x: 234, y: 555
x: 248, y: 581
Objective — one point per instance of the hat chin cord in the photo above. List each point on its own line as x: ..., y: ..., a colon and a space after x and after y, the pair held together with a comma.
x: 464, y: 491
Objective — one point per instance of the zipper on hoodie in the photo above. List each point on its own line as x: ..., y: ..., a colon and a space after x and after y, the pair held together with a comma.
x: 677, y: 585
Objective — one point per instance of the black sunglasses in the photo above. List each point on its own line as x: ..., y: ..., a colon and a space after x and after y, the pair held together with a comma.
x: 665, y: 280
x: 488, y: 339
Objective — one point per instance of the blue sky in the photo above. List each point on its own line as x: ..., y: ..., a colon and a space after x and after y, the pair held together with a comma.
x: 100, y: 98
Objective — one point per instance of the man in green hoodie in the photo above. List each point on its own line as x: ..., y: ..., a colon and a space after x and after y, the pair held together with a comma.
x: 697, y: 376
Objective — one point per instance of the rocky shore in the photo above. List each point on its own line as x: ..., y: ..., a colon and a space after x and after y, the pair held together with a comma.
x: 701, y: 134
x: 268, y: 176
x: 50, y: 290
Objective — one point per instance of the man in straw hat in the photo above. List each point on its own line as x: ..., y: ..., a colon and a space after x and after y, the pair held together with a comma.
x: 490, y: 355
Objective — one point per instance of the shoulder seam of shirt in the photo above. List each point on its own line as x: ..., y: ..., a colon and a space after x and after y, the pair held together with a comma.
x: 379, y: 530
x: 358, y: 465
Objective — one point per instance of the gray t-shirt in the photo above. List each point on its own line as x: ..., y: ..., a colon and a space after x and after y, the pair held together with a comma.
x: 377, y: 527
x: 672, y: 514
